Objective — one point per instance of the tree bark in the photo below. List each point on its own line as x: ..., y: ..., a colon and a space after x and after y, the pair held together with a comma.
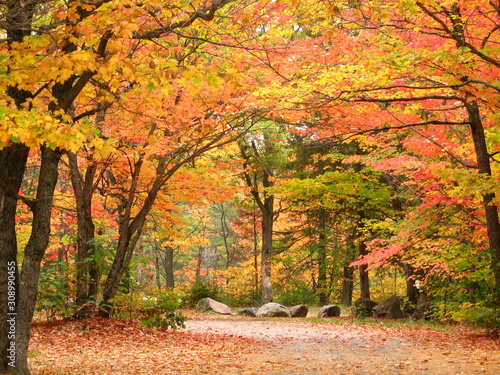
x: 12, y: 166
x: 87, y: 272
x: 364, y: 279
x: 267, y: 247
x: 322, y: 256
x: 169, y: 267
x: 34, y: 252
x: 491, y: 209
x: 347, y: 285
x: 348, y: 273
x: 412, y: 292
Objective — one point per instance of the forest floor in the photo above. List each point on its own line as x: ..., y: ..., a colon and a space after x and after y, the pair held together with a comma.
x: 219, y: 345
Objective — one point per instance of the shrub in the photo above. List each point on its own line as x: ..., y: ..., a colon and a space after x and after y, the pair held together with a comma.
x: 155, y: 308
x: 54, y: 292
x: 479, y: 316
x: 296, y: 294
x: 202, y: 288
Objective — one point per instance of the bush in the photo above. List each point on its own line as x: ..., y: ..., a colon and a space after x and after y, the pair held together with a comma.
x: 479, y: 316
x: 54, y: 293
x: 296, y: 294
x: 155, y: 308
x: 202, y: 288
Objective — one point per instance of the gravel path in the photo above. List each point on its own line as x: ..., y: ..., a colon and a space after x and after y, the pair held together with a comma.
x: 294, y: 347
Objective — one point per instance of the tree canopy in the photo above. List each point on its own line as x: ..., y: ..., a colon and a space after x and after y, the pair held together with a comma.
x: 258, y: 150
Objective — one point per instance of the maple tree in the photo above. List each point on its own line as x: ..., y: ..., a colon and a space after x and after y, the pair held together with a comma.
x: 64, y: 63
x: 425, y: 71
x: 130, y: 95
x: 338, y: 205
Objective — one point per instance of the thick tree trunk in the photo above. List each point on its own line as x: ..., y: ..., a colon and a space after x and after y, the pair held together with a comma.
x: 12, y: 166
x: 491, y: 209
x: 34, y: 252
x: 412, y: 292
x: 347, y: 285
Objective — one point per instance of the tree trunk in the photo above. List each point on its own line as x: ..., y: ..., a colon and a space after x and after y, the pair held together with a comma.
x: 169, y: 267
x: 491, y: 209
x: 34, y: 252
x: 322, y: 256
x: 347, y: 285
x: 348, y: 273
x: 12, y: 166
x: 267, y: 248
x: 412, y: 292
x: 364, y: 280
x: 87, y: 272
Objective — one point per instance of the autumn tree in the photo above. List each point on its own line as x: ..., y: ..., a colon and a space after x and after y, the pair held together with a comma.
x: 261, y: 155
x: 428, y: 68
x: 51, y: 52
x: 338, y: 203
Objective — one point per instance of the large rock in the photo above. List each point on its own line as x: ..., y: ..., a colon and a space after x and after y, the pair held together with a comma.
x: 329, y: 311
x: 208, y: 304
x: 250, y: 311
x: 299, y: 311
x: 272, y: 309
x: 364, y: 307
x: 389, y: 309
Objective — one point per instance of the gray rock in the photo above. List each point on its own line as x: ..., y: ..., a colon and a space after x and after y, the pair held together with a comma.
x: 389, y: 309
x: 208, y: 304
x: 329, y: 311
x: 299, y: 311
x: 272, y: 309
x: 250, y: 311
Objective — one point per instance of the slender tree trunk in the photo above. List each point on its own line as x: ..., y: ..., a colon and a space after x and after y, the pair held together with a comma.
x: 364, y: 279
x: 87, y: 272
x: 491, y: 209
x: 267, y: 248
x: 322, y: 256
x: 169, y: 267
x: 255, y: 252
x: 348, y: 273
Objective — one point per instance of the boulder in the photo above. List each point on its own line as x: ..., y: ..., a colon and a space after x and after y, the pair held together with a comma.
x: 208, y: 304
x: 389, y: 309
x: 299, y: 311
x: 364, y: 307
x: 250, y: 311
x: 329, y: 311
x: 272, y: 309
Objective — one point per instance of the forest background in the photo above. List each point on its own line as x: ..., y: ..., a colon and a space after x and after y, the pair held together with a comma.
x: 301, y: 152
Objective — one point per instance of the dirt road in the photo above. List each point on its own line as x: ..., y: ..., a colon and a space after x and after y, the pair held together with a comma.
x: 296, y: 347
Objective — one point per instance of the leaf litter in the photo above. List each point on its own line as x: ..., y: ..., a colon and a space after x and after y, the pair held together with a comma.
x: 212, y: 344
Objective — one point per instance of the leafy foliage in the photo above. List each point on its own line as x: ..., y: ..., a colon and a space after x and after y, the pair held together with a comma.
x: 202, y: 288
x: 54, y: 291
x: 155, y: 308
